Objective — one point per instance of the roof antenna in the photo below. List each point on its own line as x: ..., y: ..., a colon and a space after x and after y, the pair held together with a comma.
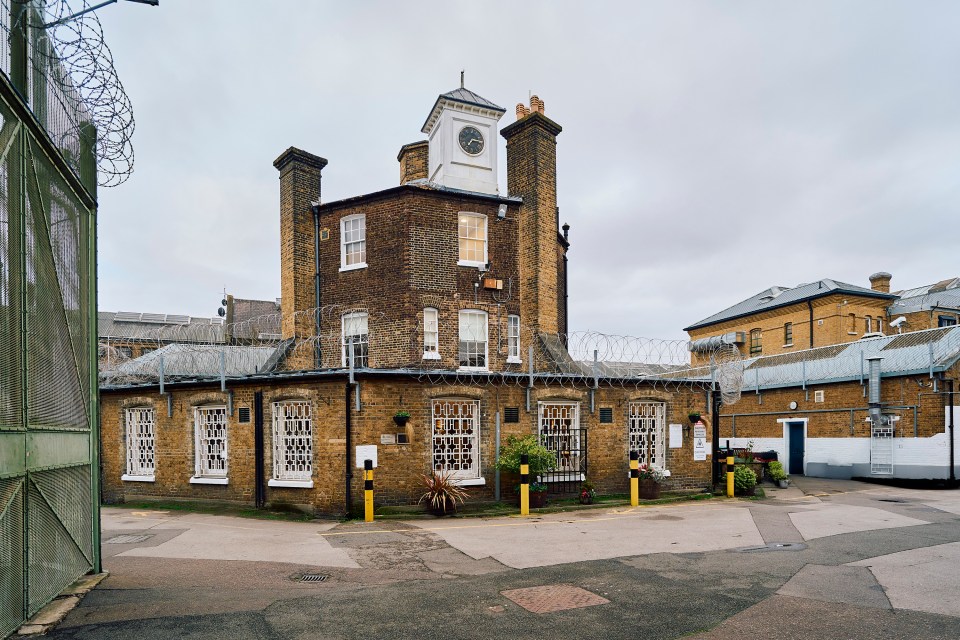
x: 461, y: 78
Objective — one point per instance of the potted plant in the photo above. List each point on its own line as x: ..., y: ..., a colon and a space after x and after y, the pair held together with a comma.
x: 778, y: 474
x: 650, y: 478
x: 587, y: 493
x: 539, y: 458
x: 401, y: 418
x: 744, y: 480
x: 694, y: 417
x: 442, y: 493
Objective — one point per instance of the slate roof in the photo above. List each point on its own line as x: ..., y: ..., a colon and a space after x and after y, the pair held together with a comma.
x: 776, y: 297
x: 463, y: 96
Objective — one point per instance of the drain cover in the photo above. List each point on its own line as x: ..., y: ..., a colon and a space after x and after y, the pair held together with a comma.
x: 128, y: 538
x: 773, y: 546
x: 313, y: 577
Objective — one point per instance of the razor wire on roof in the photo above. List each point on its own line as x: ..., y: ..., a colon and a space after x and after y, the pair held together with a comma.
x: 74, y: 82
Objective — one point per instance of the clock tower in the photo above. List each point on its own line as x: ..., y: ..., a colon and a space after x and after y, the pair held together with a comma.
x: 462, y: 134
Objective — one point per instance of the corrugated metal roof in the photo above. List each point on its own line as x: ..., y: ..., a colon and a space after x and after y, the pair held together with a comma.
x: 945, y: 294
x: 128, y: 325
x: 194, y: 361
x: 776, y: 297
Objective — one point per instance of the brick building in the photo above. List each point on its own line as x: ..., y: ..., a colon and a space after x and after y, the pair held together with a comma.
x: 441, y: 297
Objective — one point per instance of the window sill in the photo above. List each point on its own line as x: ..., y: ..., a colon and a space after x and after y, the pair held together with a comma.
x: 354, y: 267
x: 470, y: 482
x: 514, y: 360
x: 473, y: 369
x: 292, y: 484
x: 471, y: 263
x: 128, y: 478
x: 787, y: 346
x: 852, y: 333
x: 200, y: 480
x: 431, y: 355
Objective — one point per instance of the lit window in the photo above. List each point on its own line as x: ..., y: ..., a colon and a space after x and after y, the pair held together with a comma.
x: 210, y: 444
x: 431, y: 335
x: 353, y: 242
x: 456, y: 438
x: 472, y: 232
x: 473, y: 339
x: 559, y: 427
x: 355, y: 336
x: 756, y: 347
x: 788, y: 334
x: 141, y: 458
x: 292, y: 443
x: 647, y: 431
x: 513, y: 339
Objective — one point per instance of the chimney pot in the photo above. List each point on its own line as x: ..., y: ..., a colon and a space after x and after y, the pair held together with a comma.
x: 522, y: 111
x: 880, y: 281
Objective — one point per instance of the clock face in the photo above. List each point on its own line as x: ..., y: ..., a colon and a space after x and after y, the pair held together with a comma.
x: 471, y: 140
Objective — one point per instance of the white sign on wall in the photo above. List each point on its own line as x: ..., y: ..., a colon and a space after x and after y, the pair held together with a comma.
x: 366, y: 452
x: 699, y: 441
x: 676, y: 436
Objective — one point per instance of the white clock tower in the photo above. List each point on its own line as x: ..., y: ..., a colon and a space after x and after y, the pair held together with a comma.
x: 462, y: 131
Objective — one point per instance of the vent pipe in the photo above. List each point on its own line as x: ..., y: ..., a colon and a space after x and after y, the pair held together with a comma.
x: 874, y: 392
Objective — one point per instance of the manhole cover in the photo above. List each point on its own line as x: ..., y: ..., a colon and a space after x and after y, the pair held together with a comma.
x: 773, y: 546
x: 129, y: 538
x: 553, y: 597
x: 313, y: 577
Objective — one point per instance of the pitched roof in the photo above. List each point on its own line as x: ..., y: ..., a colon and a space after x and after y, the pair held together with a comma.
x: 776, y: 297
x: 461, y: 96
x: 133, y: 325
x: 943, y: 294
x: 193, y: 361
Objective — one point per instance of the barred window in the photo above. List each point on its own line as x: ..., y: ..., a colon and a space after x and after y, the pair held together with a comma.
x: 472, y: 232
x: 646, y: 431
x: 141, y: 456
x: 355, y: 334
x: 210, y: 434
x: 473, y: 339
x: 456, y: 437
x: 559, y: 427
x: 756, y: 346
x: 431, y: 334
x: 513, y: 338
x: 353, y: 242
x: 292, y: 441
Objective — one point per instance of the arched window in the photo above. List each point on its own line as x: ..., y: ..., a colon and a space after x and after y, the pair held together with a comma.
x: 756, y: 346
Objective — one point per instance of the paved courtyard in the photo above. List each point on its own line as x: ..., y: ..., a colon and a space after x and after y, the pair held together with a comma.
x: 831, y: 558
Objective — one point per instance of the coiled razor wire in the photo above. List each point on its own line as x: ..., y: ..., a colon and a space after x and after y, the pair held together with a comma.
x: 81, y: 84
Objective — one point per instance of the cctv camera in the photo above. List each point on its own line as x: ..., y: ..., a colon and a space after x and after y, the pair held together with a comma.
x: 899, y: 321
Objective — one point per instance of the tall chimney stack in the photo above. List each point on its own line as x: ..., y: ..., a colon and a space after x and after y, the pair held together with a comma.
x: 880, y: 281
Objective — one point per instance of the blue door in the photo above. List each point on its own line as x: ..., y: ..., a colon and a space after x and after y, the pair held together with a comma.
x: 795, y: 434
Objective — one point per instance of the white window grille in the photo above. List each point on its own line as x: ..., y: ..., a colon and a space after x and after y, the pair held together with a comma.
x: 472, y: 232
x: 355, y: 333
x: 456, y: 438
x: 431, y: 334
x: 210, y: 433
x: 559, y: 427
x: 292, y: 441
x: 647, y: 431
x: 473, y: 339
x: 141, y: 455
x: 513, y: 338
x: 353, y: 242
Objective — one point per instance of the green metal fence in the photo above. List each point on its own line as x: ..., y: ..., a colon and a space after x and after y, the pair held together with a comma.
x: 49, y: 519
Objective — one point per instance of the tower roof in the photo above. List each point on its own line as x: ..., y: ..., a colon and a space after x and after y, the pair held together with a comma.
x: 459, y: 96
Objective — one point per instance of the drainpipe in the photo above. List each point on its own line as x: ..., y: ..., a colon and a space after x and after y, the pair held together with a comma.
x: 317, y: 355
x: 953, y: 475
x: 348, y: 507
x: 566, y: 289
x: 715, y: 402
x: 260, y: 497
x: 810, y: 306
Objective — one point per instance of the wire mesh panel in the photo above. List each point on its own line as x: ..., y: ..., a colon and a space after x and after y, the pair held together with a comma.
x: 11, y: 554
x: 456, y: 432
x: 881, y: 449
x: 646, y: 431
x: 10, y: 254
x: 559, y: 427
x: 140, y: 424
x: 292, y: 441
x: 210, y: 424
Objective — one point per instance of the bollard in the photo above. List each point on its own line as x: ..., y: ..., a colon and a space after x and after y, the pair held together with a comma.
x: 634, y: 479
x: 368, y: 490
x: 524, y: 484
x: 730, y: 467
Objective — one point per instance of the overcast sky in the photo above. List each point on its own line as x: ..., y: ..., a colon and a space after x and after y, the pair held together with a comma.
x: 709, y: 149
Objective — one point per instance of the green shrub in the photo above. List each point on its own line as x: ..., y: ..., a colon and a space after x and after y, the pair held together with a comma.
x: 744, y: 480
x: 776, y: 471
x: 541, y: 459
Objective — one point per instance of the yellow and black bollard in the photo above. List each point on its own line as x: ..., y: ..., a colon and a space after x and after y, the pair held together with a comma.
x: 524, y: 484
x: 368, y: 490
x: 634, y: 479
x: 730, y: 468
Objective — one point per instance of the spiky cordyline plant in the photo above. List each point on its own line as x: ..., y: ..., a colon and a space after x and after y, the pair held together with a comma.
x: 442, y: 492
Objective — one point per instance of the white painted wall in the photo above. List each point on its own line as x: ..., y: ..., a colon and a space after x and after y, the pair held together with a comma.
x: 449, y: 165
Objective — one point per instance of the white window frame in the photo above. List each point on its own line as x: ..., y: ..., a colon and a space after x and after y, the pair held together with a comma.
x: 431, y: 334
x: 455, y: 434
x: 365, y: 340
x: 486, y: 340
x: 292, y: 439
x: 465, y: 217
x: 647, y: 431
x: 362, y: 241
x: 554, y: 434
x: 513, y: 340
x: 140, y: 424
x: 206, y: 444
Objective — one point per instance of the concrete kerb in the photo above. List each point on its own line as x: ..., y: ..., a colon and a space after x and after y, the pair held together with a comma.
x: 52, y: 614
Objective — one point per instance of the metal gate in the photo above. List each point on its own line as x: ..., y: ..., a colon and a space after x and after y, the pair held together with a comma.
x: 49, y: 529
x: 881, y: 447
